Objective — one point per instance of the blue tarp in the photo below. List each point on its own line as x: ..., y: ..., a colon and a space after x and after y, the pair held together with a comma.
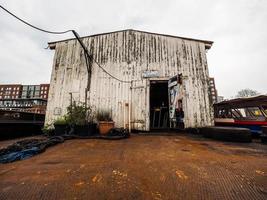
x: 19, y: 155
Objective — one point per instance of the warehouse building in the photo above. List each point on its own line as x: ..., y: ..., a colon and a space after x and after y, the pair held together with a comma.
x: 146, y: 80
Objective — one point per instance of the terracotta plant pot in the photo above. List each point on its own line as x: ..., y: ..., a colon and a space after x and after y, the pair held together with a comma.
x: 105, y: 127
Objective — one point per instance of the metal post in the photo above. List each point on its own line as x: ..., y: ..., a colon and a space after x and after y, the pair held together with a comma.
x: 124, y: 114
x: 85, y: 97
x: 130, y: 105
x: 70, y: 104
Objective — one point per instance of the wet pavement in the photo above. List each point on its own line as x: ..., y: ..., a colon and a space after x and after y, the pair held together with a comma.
x: 141, y: 167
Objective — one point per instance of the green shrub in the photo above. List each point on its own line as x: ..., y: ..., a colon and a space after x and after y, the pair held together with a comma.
x: 79, y: 114
x: 61, y: 121
x: 48, y: 129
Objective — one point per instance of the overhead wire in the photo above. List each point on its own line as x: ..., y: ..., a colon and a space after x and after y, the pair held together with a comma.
x: 90, y: 57
x: 77, y: 37
x: 109, y: 73
x: 35, y: 27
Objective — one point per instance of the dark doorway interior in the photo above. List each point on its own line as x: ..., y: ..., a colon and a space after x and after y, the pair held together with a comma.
x: 159, y: 106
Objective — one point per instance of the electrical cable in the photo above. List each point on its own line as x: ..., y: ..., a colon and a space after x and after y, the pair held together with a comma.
x: 92, y: 58
x: 35, y: 27
x: 77, y: 37
x: 110, y: 74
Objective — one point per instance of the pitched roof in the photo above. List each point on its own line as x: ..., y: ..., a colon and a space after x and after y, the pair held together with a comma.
x: 239, y: 102
x: 207, y: 42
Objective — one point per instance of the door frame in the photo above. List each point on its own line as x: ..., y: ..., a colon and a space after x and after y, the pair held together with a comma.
x: 149, y: 80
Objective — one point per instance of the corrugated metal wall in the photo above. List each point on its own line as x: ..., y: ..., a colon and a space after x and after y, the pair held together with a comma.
x: 126, y: 55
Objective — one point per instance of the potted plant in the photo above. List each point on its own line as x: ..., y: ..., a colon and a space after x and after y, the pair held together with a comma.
x: 105, y: 121
x: 61, y: 125
x: 48, y: 130
x: 91, y: 124
x: 79, y: 116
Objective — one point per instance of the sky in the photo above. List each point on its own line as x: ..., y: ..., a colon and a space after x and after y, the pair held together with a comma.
x: 237, y: 59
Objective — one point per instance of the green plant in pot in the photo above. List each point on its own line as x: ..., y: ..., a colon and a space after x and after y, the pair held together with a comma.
x: 105, y: 121
x: 48, y: 129
x: 61, y: 125
x: 80, y: 118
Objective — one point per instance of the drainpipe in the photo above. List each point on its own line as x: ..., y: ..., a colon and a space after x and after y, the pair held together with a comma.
x: 71, y: 105
x: 85, y: 97
x: 124, y: 114
x: 88, y: 62
x: 130, y: 105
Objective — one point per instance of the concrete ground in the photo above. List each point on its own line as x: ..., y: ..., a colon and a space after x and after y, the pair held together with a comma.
x: 141, y: 167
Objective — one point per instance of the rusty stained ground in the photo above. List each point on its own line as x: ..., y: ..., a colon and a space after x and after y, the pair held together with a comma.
x: 142, y: 167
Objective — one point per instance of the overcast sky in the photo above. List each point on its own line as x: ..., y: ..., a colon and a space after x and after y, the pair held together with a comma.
x: 237, y: 60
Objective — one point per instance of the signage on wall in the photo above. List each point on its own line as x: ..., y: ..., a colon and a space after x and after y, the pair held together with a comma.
x: 57, y: 111
x: 150, y: 74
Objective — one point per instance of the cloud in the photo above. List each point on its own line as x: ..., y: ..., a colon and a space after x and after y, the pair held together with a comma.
x: 238, y: 28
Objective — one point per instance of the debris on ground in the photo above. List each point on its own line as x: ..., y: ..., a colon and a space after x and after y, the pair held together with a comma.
x: 260, y: 172
x: 181, y: 174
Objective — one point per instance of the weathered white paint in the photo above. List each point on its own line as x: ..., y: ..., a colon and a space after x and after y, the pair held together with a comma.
x: 126, y: 55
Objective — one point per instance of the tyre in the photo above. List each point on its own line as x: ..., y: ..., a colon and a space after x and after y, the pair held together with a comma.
x: 232, y: 134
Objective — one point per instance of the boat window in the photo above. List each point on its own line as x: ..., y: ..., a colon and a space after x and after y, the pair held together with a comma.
x: 242, y: 112
x: 236, y: 113
x: 255, y: 111
x: 265, y: 110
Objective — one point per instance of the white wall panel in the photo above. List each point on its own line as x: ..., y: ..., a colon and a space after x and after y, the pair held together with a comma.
x: 126, y: 54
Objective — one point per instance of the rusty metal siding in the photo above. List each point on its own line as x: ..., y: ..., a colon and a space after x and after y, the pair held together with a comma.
x: 126, y: 55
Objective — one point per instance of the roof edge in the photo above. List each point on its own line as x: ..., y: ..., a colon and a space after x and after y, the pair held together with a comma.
x: 240, y: 99
x: 208, y: 43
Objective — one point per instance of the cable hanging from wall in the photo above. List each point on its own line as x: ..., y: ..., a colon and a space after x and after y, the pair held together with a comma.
x: 88, y: 58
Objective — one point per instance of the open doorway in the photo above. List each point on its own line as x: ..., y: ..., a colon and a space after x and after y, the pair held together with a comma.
x: 159, y: 106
